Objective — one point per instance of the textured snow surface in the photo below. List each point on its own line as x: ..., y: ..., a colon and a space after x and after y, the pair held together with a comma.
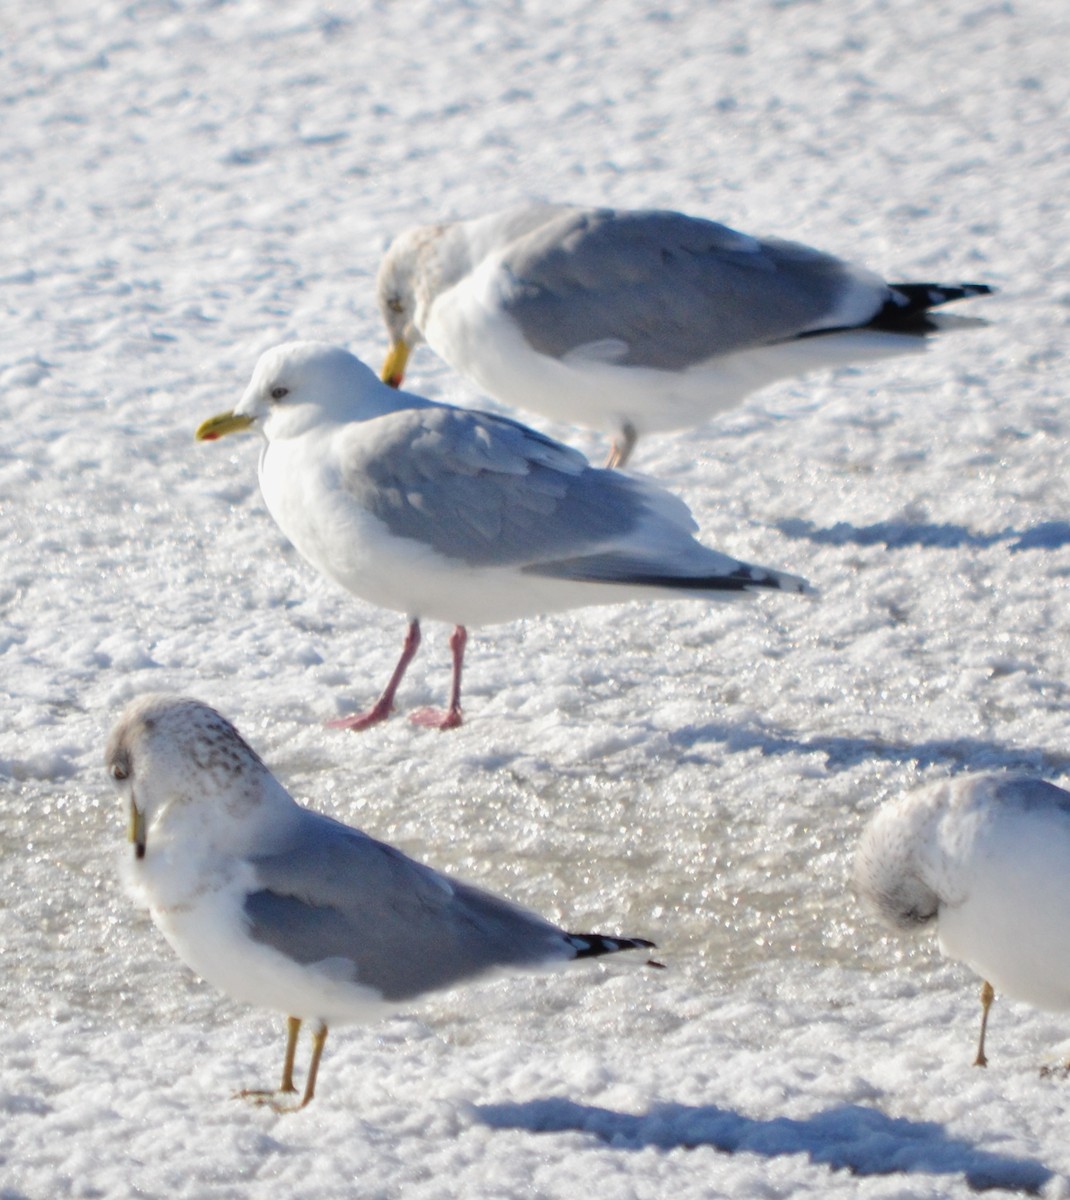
x: 185, y: 184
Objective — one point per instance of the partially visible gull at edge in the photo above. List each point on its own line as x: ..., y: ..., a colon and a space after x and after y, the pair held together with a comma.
x: 284, y: 908
x: 985, y: 859
x: 636, y: 322
x: 454, y: 515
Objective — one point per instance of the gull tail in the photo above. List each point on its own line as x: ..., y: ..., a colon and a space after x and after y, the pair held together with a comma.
x: 593, y: 945
x: 907, y: 309
x: 727, y: 578
x: 745, y: 579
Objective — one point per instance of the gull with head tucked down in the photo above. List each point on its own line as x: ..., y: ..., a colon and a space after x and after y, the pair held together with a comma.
x: 986, y: 861
x: 283, y: 908
x: 637, y: 322
x: 460, y: 516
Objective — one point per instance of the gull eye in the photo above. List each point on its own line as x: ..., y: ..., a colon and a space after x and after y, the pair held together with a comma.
x: 395, y: 305
x: 119, y: 770
x: 277, y: 393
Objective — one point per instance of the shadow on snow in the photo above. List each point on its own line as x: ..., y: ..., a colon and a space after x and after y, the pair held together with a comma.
x: 1048, y: 535
x: 843, y: 752
x: 848, y: 1137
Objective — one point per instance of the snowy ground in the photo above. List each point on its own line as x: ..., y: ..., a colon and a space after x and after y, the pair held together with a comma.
x: 187, y: 182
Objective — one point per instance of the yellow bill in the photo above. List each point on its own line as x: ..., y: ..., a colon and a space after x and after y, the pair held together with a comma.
x: 397, y: 359
x: 137, y: 830
x: 220, y: 425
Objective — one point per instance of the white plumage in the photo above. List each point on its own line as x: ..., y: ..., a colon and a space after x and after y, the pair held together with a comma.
x: 285, y: 909
x: 637, y: 322
x: 442, y: 512
x: 987, y: 859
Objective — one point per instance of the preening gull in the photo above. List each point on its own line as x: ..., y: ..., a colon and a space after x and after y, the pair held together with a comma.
x: 459, y: 516
x: 636, y: 322
x: 281, y: 907
x: 988, y: 859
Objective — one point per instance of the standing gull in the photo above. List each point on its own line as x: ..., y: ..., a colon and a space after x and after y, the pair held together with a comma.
x: 636, y: 322
x: 988, y: 859
x: 281, y: 907
x: 455, y: 515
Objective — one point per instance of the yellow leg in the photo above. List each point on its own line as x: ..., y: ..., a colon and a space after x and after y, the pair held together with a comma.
x: 987, y: 996
x: 271, y: 1099
x: 293, y: 1027
x: 265, y: 1096
x: 622, y: 448
x: 318, y: 1038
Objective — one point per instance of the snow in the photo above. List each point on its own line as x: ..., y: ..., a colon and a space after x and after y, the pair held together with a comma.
x: 188, y: 183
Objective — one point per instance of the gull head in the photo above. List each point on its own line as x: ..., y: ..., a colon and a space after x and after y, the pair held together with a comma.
x: 404, y: 295
x: 179, y: 766
x: 300, y: 385
x: 897, y: 872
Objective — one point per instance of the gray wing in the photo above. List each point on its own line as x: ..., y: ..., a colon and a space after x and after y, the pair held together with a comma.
x: 335, y: 893
x: 661, y: 289
x: 490, y: 492
x: 1030, y: 795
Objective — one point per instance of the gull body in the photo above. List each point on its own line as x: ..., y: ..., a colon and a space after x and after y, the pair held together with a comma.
x: 283, y: 908
x: 986, y: 860
x: 636, y: 322
x: 446, y: 513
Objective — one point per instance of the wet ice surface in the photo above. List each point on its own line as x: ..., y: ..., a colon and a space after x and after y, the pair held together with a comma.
x: 185, y: 185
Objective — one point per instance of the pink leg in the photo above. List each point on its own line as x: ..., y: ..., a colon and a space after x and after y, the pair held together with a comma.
x: 451, y: 718
x: 383, y: 707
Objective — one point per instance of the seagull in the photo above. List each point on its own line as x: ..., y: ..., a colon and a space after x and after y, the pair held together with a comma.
x: 284, y: 908
x: 455, y: 515
x: 637, y: 322
x: 987, y: 858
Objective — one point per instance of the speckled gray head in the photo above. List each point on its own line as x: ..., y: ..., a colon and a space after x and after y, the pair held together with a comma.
x: 172, y: 752
x: 407, y: 282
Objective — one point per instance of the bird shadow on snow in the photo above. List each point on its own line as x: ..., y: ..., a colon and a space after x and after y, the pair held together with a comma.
x: 845, y: 752
x: 842, y: 752
x: 847, y: 1137
x: 1048, y: 535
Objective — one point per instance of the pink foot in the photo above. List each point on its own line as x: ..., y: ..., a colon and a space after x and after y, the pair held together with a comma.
x: 384, y: 706
x: 437, y: 718
x: 364, y: 720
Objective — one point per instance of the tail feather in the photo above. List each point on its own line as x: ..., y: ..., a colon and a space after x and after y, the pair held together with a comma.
x: 633, y: 572
x: 593, y: 945
x: 742, y: 580
x: 907, y: 309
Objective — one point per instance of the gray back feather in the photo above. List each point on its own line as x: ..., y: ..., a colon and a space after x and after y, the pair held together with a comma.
x: 335, y: 893
x: 673, y: 290
x: 487, y: 491
x: 1028, y: 795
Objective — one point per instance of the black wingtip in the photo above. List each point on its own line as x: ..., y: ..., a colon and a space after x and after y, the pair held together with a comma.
x: 932, y: 294
x: 593, y: 945
x: 743, y: 579
x: 906, y: 311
